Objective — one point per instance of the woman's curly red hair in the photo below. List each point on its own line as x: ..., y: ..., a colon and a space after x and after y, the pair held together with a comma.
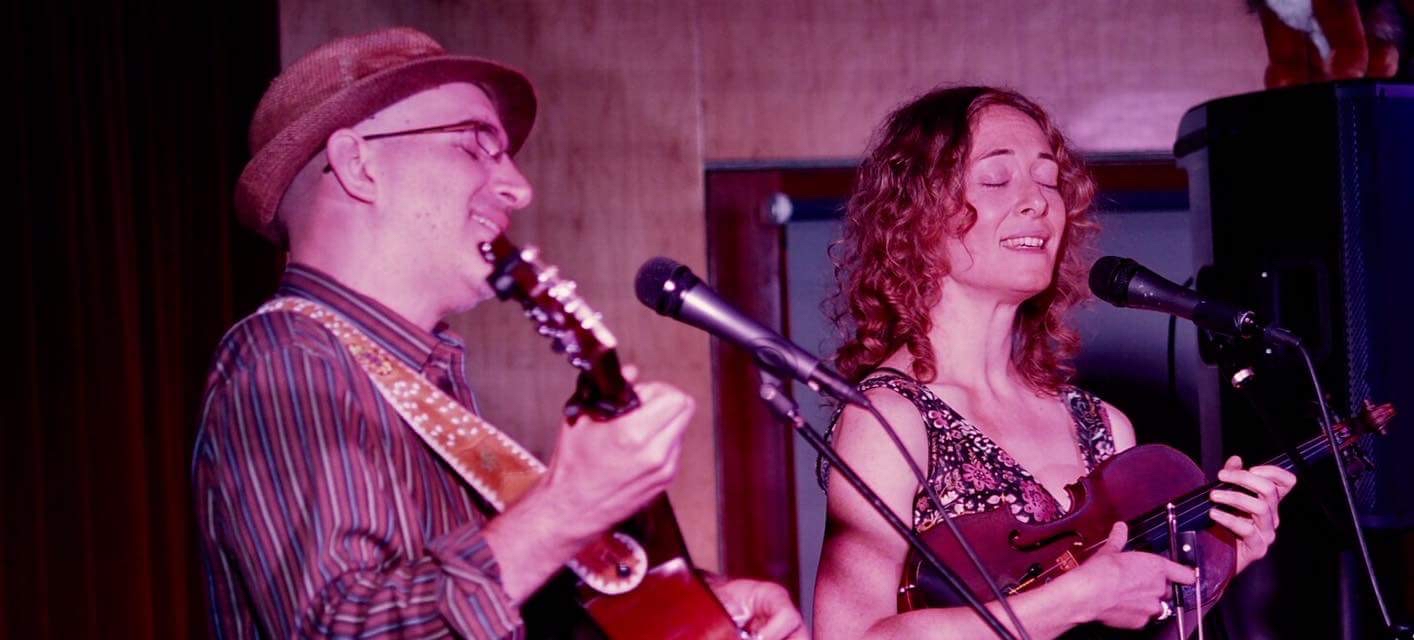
x: 888, y: 262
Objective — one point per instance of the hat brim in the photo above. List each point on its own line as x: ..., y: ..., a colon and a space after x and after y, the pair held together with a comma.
x: 268, y: 175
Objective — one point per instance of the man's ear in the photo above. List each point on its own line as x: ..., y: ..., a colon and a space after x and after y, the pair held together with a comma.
x: 348, y: 160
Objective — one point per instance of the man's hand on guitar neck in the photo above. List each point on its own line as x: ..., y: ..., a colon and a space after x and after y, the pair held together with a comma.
x: 600, y: 474
x: 603, y: 472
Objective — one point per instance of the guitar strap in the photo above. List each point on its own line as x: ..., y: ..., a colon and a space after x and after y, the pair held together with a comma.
x: 488, y: 460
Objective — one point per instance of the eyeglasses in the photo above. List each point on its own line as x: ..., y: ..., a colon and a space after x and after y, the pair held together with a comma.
x: 485, y: 134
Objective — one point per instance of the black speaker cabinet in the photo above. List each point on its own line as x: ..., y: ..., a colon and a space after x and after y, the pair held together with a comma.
x: 1303, y: 206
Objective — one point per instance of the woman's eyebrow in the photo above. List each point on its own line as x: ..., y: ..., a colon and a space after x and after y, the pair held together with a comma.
x: 993, y: 153
x: 1007, y: 151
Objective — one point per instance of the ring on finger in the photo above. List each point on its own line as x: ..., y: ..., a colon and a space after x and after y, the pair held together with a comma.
x: 1167, y: 611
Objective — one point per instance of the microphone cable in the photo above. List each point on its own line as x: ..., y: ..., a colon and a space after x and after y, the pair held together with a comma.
x: 948, y: 521
x: 1172, y: 360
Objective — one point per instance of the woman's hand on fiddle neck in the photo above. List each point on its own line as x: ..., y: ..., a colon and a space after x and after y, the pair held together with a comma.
x: 1256, y: 524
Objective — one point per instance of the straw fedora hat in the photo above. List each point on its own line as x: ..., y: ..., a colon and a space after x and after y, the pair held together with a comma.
x: 342, y: 82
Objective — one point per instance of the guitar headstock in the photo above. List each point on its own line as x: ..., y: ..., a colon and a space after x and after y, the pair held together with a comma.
x: 574, y: 329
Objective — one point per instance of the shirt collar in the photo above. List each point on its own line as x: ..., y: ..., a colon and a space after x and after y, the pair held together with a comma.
x: 398, y: 335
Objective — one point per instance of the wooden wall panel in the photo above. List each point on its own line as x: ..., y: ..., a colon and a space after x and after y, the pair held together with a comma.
x: 758, y: 496
x: 637, y: 96
x: 804, y: 79
x: 615, y: 159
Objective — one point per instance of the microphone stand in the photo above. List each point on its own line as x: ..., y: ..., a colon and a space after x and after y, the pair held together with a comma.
x: 786, y: 409
x: 1394, y: 631
x: 1241, y: 384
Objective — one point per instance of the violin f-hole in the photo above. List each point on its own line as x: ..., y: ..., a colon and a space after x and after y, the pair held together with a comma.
x: 1014, y: 539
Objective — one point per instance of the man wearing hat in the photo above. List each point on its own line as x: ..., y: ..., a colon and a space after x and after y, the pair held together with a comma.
x: 381, y: 163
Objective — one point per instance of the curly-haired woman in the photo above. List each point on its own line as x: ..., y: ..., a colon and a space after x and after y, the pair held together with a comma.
x: 963, y: 249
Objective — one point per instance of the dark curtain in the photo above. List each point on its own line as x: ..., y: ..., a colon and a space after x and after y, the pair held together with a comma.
x: 125, y: 130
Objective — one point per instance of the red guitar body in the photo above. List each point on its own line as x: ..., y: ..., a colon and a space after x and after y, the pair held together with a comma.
x: 672, y: 603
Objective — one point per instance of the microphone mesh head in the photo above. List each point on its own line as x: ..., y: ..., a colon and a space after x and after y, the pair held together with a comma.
x: 648, y: 284
x: 1109, y: 279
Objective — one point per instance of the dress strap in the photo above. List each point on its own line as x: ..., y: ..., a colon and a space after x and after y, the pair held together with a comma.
x: 1092, y: 426
x: 881, y: 377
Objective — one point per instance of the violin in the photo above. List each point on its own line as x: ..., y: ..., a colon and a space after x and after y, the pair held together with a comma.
x: 1155, y: 489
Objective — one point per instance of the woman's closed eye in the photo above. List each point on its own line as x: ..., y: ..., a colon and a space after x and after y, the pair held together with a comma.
x: 994, y: 180
x: 1047, y: 174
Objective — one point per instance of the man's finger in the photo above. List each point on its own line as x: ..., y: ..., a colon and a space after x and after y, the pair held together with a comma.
x: 784, y: 623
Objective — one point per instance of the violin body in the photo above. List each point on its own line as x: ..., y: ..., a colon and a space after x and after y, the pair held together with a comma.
x: 1134, y: 486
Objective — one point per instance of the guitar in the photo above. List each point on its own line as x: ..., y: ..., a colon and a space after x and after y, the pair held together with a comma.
x: 636, y: 582
x: 1137, y: 486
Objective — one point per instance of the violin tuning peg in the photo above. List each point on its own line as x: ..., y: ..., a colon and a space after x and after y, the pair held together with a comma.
x: 1375, y: 417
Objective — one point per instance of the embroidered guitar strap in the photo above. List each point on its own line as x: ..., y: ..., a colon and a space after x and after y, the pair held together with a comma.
x: 490, y: 461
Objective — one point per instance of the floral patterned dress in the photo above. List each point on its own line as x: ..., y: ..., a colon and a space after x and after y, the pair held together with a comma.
x: 970, y: 472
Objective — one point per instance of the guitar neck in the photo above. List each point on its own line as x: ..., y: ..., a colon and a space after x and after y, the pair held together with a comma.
x: 602, y: 392
x: 636, y: 580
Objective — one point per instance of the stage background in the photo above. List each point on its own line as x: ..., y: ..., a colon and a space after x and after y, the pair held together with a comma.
x: 638, y: 98
x: 128, y: 128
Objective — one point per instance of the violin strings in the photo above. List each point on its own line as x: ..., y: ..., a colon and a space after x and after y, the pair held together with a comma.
x: 1197, y: 504
x: 1186, y: 507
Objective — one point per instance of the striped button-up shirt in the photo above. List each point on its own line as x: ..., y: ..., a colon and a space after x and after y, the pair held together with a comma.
x: 321, y: 513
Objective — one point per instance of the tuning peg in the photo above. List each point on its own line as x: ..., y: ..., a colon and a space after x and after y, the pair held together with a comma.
x: 563, y: 290
x: 1375, y: 417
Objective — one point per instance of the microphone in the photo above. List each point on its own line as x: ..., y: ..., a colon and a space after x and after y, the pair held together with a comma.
x: 1125, y: 283
x: 672, y: 290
